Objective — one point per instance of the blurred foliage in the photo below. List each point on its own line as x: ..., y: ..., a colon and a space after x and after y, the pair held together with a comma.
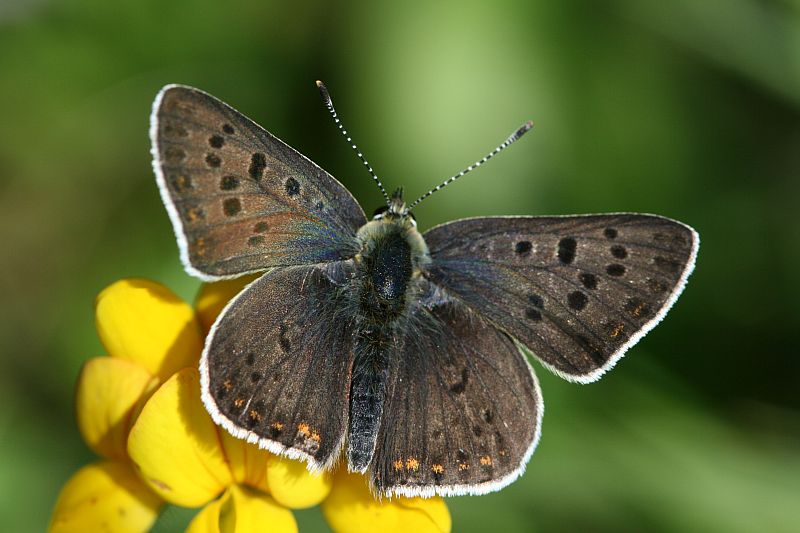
x: 690, y: 109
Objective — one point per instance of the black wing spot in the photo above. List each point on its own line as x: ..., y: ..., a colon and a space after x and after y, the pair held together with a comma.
x: 227, y: 128
x: 523, y: 247
x: 251, y: 358
x: 610, y: 233
x: 231, y: 206
x: 615, y: 270
x: 589, y: 280
x: 258, y: 162
x: 619, y: 251
x: 459, y: 387
x: 283, y: 340
x: 487, y: 415
x: 255, y: 377
x: 577, y: 300
x: 216, y: 141
x: 260, y: 227
x: 319, y: 206
x: 536, y: 300
x: 566, y: 250
x: 533, y: 314
x: 213, y: 160
x: 255, y: 240
x: 229, y: 183
x: 292, y: 187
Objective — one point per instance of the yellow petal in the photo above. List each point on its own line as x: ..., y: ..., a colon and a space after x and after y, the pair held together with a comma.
x: 109, y: 394
x: 248, y: 463
x: 105, y: 496
x: 176, y: 445
x: 241, y: 510
x: 207, y: 520
x: 249, y: 511
x: 213, y: 297
x: 352, y: 508
x: 293, y: 486
x: 143, y: 321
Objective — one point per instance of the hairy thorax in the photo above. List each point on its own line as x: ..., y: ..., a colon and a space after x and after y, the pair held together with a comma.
x: 389, y: 268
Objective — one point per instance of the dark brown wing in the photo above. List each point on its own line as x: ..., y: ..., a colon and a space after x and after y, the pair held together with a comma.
x: 277, y: 363
x: 464, y: 410
x: 240, y: 199
x: 578, y: 291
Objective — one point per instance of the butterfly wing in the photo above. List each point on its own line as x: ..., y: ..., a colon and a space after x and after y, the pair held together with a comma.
x: 464, y: 410
x: 577, y: 291
x: 240, y: 199
x: 277, y: 363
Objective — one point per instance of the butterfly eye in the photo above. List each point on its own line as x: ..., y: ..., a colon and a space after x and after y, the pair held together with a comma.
x: 379, y: 212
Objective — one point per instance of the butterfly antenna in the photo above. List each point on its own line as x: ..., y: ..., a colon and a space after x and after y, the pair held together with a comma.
x: 519, y: 132
x: 326, y: 97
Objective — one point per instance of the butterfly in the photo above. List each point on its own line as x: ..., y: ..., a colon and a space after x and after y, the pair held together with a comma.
x: 406, y: 352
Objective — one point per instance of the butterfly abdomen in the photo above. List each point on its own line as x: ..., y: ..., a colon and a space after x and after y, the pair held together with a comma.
x: 367, y: 396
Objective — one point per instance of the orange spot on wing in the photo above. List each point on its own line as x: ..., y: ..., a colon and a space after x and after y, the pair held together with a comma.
x: 304, y: 429
x: 412, y: 464
x: 463, y: 466
x: 617, y: 330
x: 228, y: 385
x: 254, y: 415
x: 193, y: 214
x: 238, y: 402
x: 277, y: 425
x: 398, y: 465
x: 200, y: 246
x: 486, y: 460
x: 437, y: 469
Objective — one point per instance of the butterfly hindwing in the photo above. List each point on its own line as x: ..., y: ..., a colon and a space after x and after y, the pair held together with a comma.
x: 239, y: 198
x: 463, y: 414
x: 277, y: 364
x: 577, y: 291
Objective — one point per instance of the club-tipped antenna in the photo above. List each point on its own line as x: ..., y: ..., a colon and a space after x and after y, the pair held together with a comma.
x: 519, y: 132
x: 326, y: 98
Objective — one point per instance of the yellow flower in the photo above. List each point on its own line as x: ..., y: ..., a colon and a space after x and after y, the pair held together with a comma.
x: 148, y: 333
x: 139, y: 408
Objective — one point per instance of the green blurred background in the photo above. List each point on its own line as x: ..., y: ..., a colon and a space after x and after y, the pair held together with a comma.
x: 690, y: 109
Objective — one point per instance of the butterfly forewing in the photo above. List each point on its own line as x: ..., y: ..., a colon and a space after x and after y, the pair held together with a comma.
x: 577, y: 290
x: 240, y: 199
x: 464, y: 409
x: 277, y: 364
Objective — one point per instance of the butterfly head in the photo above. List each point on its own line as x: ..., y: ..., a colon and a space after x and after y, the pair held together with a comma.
x: 396, y: 211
